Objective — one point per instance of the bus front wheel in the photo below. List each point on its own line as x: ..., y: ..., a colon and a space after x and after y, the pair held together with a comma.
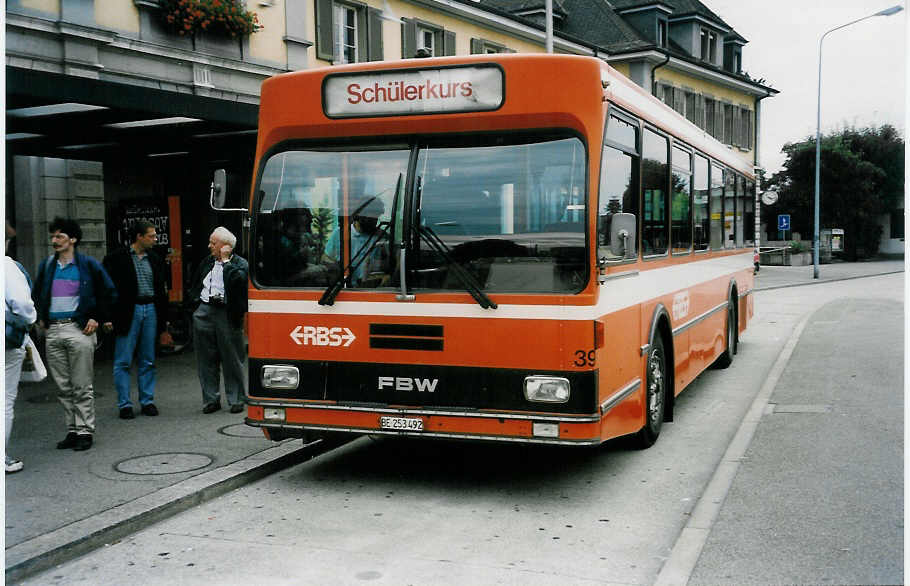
x: 726, y: 358
x: 656, y: 382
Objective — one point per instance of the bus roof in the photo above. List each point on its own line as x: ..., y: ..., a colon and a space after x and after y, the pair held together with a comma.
x: 632, y: 97
x: 478, y: 93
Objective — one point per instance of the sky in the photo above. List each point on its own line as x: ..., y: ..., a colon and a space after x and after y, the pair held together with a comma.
x: 864, y: 66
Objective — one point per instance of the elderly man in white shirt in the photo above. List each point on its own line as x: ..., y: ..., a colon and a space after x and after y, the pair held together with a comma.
x: 20, y: 315
x: 220, y: 292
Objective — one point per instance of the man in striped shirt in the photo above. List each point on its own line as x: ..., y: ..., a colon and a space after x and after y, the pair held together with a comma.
x: 139, y: 316
x: 73, y: 294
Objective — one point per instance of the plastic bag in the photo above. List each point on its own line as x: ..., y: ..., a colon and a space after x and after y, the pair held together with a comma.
x: 33, y: 369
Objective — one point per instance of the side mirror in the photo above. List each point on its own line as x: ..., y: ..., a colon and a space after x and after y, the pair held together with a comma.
x: 218, y: 194
x: 623, y: 235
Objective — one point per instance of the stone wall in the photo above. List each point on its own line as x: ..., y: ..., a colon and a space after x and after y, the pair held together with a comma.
x: 46, y: 188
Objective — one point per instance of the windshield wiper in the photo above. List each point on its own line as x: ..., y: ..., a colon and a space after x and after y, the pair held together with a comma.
x: 470, y: 283
x: 328, y: 297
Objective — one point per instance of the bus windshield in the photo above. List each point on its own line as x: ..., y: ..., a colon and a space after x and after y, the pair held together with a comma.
x: 510, y: 212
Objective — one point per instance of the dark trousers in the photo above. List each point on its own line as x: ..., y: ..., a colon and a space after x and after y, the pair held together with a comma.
x: 219, y: 346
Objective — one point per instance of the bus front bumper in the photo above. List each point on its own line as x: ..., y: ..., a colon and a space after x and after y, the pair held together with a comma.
x: 280, y: 420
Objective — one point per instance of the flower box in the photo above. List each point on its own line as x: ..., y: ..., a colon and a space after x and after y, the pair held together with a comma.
x: 215, y: 17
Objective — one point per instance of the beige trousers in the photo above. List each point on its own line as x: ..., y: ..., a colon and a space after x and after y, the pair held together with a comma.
x: 71, y: 361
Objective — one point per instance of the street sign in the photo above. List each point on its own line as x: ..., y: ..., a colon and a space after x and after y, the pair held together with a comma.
x: 783, y: 222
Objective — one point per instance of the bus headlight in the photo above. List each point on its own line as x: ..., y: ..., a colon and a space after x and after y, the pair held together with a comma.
x: 280, y: 376
x: 547, y: 389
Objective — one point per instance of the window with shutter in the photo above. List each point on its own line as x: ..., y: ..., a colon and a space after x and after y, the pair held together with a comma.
x: 690, y: 107
x: 709, y: 117
x: 750, y: 134
x: 665, y: 92
x: 347, y: 32
x: 737, y: 127
x: 418, y: 34
x: 719, y: 121
x: 679, y: 101
x: 487, y: 47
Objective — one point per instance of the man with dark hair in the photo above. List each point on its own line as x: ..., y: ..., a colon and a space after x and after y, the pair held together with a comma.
x: 73, y: 294
x: 140, y: 315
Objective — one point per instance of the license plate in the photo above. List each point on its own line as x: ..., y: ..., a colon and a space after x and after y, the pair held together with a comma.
x: 401, y: 423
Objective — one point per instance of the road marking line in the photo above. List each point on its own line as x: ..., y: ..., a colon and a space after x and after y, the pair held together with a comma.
x: 678, y: 568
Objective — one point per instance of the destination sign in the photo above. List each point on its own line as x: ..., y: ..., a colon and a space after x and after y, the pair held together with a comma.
x: 475, y: 88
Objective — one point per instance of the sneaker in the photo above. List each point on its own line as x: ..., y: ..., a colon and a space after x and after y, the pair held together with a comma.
x: 13, y: 465
x: 211, y: 407
x: 83, y: 442
x: 237, y: 408
x: 68, y: 442
x: 150, y: 410
x: 127, y: 413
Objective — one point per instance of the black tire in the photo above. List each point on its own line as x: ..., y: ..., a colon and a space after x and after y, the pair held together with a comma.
x: 656, y: 385
x: 726, y: 357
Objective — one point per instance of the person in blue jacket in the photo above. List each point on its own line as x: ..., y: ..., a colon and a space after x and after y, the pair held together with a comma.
x: 74, y: 295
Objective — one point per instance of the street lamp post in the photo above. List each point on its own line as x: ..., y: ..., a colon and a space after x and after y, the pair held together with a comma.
x: 818, y: 128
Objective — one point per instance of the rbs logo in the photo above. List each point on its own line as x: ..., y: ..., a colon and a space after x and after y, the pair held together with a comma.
x: 322, y: 336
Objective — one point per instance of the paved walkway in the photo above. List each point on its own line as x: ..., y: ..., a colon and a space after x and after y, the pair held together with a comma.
x: 770, y: 277
x: 66, y: 503
x: 818, y: 496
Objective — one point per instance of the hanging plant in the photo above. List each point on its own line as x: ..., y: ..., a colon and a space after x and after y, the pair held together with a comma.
x: 226, y: 17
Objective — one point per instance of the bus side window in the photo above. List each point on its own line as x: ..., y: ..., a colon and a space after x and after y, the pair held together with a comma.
x: 616, y: 222
x: 729, y: 210
x: 655, y: 179
x: 700, y: 203
x: 749, y: 215
x: 717, y: 207
x: 740, y: 210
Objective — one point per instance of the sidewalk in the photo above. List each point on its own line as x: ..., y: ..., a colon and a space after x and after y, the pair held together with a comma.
x: 772, y: 277
x: 818, y: 497
x: 66, y: 503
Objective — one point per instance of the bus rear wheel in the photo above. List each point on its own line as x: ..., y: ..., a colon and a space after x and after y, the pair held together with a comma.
x: 656, y: 383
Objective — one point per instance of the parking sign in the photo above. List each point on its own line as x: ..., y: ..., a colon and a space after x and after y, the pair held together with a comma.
x: 783, y: 222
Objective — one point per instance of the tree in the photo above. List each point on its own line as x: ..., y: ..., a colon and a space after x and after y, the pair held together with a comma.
x: 862, y: 178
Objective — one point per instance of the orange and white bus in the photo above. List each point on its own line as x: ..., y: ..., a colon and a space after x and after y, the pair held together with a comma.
x: 523, y: 248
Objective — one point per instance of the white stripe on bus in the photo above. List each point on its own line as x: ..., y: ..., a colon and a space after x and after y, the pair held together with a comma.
x: 614, y: 296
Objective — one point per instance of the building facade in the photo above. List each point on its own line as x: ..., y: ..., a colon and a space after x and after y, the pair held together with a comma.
x: 118, y: 109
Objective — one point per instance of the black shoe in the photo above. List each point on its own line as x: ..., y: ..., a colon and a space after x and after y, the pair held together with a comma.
x: 211, y: 407
x: 150, y: 410
x: 237, y: 408
x: 68, y: 442
x: 83, y: 442
x: 127, y: 413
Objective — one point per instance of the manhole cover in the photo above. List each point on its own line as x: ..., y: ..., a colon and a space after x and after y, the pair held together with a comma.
x: 241, y: 430
x: 168, y: 463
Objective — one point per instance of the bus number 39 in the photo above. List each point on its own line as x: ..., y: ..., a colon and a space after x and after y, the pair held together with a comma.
x: 583, y: 358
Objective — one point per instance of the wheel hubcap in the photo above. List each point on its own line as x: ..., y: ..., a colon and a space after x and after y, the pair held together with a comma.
x: 655, y: 385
